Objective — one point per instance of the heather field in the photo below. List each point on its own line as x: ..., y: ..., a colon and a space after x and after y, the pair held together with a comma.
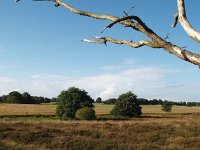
x: 37, y: 128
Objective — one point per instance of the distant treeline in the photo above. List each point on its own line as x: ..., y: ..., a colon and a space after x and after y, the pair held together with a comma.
x: 25, y: 98
x: 143, y: 101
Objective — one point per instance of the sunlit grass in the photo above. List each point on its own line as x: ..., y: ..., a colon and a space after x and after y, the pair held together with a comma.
x: 27, y: 109
x: 177, y: 130
x: 100, y: 109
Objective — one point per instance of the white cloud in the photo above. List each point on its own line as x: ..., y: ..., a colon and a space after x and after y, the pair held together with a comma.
x: 7, y: 85
x: 179, y: 92
x: 147, y: 82
x: 104, y: 85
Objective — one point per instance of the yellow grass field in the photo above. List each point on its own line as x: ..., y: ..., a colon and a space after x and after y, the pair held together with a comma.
x: 27, y: 109
x: 48, y: 109
x: 155, y: 130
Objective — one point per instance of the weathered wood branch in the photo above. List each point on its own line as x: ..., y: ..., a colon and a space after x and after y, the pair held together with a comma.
x: 139, y: 25
x: 122, y: 19
x: 195, y: 35
x: 104, y: 40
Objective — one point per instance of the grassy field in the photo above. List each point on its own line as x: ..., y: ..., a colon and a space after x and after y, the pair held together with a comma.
x: 155, y: 130
x: 27, y: 109
x: 100, y: 109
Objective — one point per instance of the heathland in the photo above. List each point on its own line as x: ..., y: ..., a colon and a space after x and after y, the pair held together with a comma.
x: 36, y: 127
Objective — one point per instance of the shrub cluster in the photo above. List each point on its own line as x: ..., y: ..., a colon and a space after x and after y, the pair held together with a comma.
x: 85, y: 114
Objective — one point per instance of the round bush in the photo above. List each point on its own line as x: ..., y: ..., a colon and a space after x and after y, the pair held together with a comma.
x: 167, y: 106
x: 70, y: 101
x: 127, y: 106
x: 85, y: 114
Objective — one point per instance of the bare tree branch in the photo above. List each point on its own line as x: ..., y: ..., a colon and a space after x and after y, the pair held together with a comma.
x: 104, y: 40
x: 139, y: 25
x: 121, y: 19
x: 185, y: 23
x: 131, y: 9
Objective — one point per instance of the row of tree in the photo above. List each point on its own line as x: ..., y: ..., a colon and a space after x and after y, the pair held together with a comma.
x: 76, y: 103
x: 143, y: 101
x: 25, y: 98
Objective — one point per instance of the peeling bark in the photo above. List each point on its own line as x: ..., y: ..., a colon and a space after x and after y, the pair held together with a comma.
x: 195, y: 35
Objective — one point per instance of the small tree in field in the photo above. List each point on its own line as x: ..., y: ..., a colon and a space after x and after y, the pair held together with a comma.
x: 98, y: 100
x: 167, y: 106
x: 127, y: 106
x: 71, y: 100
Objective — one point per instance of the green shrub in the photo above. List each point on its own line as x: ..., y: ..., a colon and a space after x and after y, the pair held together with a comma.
x: 71, y: 100
x: 167, y: 106
x: 85, y: 114
x: 127, y: 106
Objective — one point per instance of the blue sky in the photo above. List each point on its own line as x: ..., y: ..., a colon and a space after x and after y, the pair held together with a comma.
x: 41, y: 51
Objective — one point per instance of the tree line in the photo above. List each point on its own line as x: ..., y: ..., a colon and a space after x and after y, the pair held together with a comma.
x: 143, y: 101
x: 15, y: 97
x: 25, y: 98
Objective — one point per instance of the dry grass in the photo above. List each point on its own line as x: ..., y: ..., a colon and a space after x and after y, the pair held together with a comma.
x: 178, y: 130
x: 149, y: 109
x: 100, y: 109
x: 27, y: 109
x: 166, y: 131
x: 175, y: 109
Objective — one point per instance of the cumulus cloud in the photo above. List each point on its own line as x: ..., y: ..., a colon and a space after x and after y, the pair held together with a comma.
x: 146, y: 82
x: 103, y: 85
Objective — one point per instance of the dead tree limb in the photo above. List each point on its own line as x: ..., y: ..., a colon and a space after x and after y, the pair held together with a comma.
x: 104, y: 40
x: 182, y: 18
x: 139, y: 25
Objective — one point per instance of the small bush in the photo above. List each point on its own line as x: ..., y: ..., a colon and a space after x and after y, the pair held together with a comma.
x: 166, y: 106
x: 85, y: 114
x: 127, y: 106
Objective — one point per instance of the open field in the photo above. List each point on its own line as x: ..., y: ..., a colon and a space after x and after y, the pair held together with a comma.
x: 101, y: 109
x: 149, y: 109
x: 167, y: 132
x: 27, y: 109
x: 155, y: 130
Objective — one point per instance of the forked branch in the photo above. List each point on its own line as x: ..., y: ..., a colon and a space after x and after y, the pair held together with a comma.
x: 139, y: 25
